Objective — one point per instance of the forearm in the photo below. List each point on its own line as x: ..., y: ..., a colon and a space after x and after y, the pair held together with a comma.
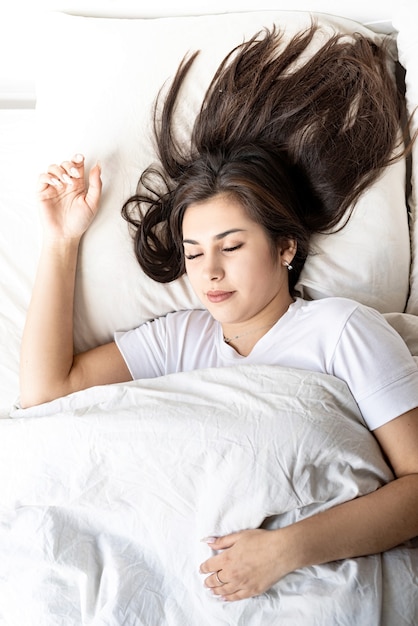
x: 254, y: 560
x: 47, y: 344
x: 366, y: 525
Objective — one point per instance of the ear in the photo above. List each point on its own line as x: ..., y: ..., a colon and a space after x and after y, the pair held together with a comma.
x: 287, y: 251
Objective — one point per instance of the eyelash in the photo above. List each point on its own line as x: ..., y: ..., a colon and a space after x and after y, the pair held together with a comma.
x: 237, y: 247
x: 190, y: 257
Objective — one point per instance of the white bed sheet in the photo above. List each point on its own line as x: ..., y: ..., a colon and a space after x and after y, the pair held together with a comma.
x: 111, y: 490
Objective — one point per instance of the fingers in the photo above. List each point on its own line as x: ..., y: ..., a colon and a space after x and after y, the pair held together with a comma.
x: 218, y: 581
x: 65, y: 174
x: 212, y: 564
x: 231, y: 589
x: 228, y: 591
x: 70, y: 174
x: 219, y: 586
x: 95, y: 186
x: 75, y: 167
x: 236, y: 570
x: 221, y: 543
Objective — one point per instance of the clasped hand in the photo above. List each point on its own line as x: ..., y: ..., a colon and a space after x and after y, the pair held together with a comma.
x: 248, y: 563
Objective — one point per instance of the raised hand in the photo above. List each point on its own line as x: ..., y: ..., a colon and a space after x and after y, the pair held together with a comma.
x: 68, y: 205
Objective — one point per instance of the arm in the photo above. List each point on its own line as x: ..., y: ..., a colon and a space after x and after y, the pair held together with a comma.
x: 252, y: 561
x: 48, y: 367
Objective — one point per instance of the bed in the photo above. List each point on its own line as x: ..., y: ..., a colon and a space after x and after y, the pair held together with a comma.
x: 106, y: 494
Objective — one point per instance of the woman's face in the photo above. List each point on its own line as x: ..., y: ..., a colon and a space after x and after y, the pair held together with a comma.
x: 230, y: 264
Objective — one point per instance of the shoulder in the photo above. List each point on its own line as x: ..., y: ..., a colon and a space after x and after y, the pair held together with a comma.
x: 350, y: 316
x: 180, y: 327
x: 335, y: 306
x: 343, y: 318
x: 188, y: 318
x: 175, y: 324
x: 327, y: 309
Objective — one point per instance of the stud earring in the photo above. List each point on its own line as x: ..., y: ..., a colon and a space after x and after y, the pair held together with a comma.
x: 287, y: 264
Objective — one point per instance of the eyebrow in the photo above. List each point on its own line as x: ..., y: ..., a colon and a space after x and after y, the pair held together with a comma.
x: 217, y: 237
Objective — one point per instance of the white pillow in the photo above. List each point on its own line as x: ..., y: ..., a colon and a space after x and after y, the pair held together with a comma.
x: 406, y: 21
x: 19, y: 242
x: 96, y: 86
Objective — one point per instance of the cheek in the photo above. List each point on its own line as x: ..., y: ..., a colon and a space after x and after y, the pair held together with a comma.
x: 259, y: 268
x: 191, y: 273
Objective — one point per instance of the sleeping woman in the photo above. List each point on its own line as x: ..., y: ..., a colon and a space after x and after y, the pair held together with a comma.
x: 279, y: 151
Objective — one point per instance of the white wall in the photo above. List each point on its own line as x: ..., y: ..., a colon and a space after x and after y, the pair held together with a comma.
x: 20, y: 26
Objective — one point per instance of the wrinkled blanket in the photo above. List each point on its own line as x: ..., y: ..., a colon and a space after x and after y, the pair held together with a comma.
x: 106, y: 494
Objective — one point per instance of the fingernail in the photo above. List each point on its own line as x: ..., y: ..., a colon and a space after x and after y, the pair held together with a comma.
x: 215, y: 595
x: 74, y: 172
x: 67, y: 179
x: 208, y: 539
x: 55, y: 182
x: 78, y: 158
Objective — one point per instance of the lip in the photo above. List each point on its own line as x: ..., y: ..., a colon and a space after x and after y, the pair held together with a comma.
x: 218, y: 296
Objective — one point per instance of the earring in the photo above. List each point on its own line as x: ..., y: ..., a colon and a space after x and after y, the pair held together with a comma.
x: 287, y: 264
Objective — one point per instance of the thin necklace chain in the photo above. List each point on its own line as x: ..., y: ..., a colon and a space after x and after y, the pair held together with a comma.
x: 249, y: 332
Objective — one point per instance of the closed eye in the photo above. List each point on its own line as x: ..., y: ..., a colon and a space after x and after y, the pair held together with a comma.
x: 233, y: 248
x: 191, y: 257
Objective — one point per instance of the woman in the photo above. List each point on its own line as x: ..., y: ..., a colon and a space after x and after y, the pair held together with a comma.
x: 275, y: 155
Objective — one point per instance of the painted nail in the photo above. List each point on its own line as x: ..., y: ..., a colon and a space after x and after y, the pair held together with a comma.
x: 74, y: 172
x: 67, y: 179
x: 208, y: 539
x: 78, y: 158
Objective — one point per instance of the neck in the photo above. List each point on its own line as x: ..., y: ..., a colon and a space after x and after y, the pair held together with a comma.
x: 243, y: 337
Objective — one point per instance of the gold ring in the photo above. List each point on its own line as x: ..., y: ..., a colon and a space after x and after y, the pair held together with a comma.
x: 218, y: 579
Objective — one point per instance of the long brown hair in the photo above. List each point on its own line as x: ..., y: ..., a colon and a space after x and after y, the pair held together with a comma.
x: 296, y: 141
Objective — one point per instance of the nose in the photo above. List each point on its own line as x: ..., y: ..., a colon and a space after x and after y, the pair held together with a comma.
x: 212, y: 269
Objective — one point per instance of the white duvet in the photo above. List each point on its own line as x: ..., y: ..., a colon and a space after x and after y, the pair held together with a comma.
x: 106, y: 494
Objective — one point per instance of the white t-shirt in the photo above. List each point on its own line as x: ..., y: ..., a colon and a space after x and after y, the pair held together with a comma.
x: 334, y: 336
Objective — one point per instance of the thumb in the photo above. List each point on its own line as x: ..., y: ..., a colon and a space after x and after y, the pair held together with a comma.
x: 220, y: 543
x: 95, y: 187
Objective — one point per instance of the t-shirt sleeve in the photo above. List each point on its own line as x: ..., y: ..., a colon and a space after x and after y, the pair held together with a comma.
x: 376, y: 364
x: 178, y: 342
x: 143, y: 349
